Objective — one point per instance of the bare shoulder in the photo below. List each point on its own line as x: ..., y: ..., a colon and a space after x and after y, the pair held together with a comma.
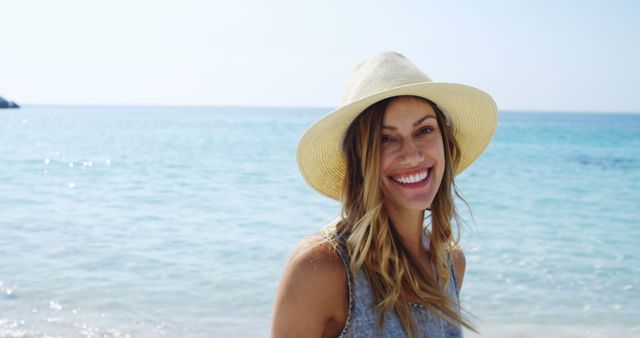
x: 315, y: 261
x: 459, y: 264
x: 311, y: 296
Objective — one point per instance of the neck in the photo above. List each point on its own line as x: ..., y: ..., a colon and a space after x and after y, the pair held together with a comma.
x: 409, y: 225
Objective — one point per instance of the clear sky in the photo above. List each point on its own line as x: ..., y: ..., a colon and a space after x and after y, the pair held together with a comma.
x: 529, y: 55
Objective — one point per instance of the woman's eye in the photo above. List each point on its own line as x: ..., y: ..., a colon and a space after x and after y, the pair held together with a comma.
x: 425, y: 130
x: 386, y: 139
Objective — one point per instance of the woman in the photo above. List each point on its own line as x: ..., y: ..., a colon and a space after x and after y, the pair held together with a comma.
x: 389, y: 153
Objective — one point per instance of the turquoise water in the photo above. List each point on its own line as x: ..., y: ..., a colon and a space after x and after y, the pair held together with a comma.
x: 174, y: 221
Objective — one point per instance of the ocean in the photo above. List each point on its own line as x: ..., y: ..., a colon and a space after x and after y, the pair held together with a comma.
x: 178, y: 221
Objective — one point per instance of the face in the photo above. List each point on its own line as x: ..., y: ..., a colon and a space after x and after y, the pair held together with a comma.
x: 412, y: 154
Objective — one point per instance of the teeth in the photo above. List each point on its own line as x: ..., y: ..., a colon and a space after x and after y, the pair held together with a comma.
x: 411, y: 178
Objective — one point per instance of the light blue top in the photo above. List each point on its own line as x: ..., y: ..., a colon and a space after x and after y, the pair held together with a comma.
x: 362, y: 318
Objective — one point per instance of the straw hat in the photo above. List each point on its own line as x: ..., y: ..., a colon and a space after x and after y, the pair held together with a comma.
x: 472, y: 113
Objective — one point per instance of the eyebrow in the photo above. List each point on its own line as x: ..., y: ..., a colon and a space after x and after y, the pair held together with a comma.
x: 415, y: 124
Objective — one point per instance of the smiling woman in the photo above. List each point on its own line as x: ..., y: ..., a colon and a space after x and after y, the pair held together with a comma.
x: 412, y: 154
x: 390, y: 154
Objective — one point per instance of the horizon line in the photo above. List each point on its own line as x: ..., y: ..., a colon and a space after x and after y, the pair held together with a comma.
x: 329, y: 109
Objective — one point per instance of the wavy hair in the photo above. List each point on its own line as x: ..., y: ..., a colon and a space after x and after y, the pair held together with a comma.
x: 372, y: 241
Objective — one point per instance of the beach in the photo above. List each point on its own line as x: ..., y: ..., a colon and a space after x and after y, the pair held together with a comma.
x: 140, y: 221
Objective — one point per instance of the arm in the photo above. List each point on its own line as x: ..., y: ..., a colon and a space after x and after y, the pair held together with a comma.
x: 311, y: 293
x: 459, y: 265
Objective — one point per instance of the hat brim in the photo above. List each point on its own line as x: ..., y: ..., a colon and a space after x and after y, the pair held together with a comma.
x: 473, y: 115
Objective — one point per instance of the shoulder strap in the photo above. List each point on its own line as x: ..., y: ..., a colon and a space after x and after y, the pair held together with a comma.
x: 344, y: 256
x: 453, y: 274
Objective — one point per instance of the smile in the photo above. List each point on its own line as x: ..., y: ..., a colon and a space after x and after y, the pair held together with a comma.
x: 412, y: 179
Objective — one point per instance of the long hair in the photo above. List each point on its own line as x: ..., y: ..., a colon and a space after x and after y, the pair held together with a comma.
x: 372, y: 241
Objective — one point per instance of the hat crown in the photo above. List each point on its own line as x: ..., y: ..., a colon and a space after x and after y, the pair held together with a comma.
x: 380, y: 72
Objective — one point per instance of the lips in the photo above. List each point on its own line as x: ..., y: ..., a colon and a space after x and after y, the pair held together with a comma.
x: 412, y: 179
x: 415, y: 178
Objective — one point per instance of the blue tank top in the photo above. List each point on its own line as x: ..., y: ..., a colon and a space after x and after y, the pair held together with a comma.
x: 362, y: 318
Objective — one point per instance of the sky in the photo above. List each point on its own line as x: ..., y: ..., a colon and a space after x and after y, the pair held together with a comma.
x: 529, y: 55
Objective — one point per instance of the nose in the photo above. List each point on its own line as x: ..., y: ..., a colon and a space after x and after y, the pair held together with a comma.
x: 411, y: 154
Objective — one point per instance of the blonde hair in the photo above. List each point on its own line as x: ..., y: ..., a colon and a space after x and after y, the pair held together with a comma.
x: 373, y: 243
